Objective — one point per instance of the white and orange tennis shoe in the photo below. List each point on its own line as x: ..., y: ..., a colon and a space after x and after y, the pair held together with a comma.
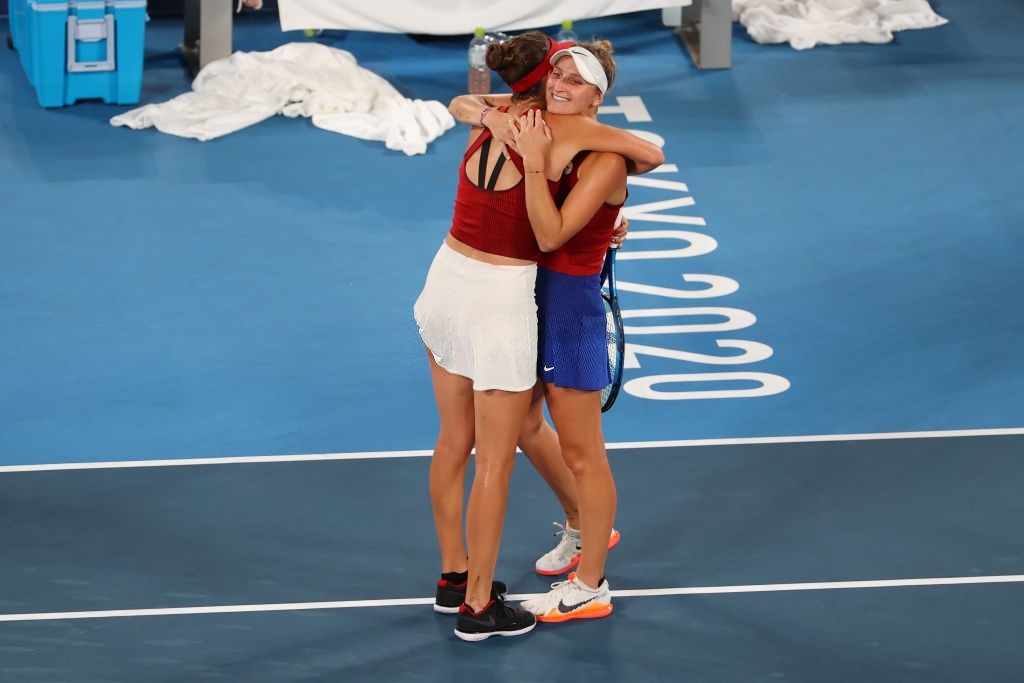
x: 571, y: 599
x: 566, y: 554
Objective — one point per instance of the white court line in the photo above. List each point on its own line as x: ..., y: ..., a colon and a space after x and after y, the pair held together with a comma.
x: 349, y: 604
x: 370, y: 455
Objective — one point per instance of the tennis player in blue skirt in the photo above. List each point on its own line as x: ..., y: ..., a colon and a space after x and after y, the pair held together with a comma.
x: 573, y: 230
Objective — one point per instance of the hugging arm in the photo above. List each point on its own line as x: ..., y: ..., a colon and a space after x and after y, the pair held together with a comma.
x: 479, y: 110
x: 585, y: 132
x: 641, y: 156
x: 468, y: 108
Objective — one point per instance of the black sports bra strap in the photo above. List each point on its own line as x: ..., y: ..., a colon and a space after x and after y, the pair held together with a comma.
x: 481, y: 171
x: 483, y: 143
x: 496, y: 172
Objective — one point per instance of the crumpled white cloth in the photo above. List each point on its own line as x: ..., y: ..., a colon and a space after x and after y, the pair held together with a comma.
x: 297, y: 79
x: 806, y: 23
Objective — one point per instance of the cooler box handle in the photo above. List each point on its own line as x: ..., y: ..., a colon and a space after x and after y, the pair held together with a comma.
x: 91, y: 31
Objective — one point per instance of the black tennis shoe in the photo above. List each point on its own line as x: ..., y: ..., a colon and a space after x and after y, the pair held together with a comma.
x: 495, y: 619
x: 450, y: 595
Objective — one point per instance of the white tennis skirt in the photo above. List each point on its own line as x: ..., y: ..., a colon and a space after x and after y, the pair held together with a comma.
x: 479, y: 320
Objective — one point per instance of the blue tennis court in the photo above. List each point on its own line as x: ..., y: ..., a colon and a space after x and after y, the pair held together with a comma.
x: 216, y: 418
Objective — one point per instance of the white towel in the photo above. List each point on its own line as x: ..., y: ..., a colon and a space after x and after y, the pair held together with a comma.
x: 806, y: 23
x: 297, y: 79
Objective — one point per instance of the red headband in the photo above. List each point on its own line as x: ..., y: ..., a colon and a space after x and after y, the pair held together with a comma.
x: 541, y: 70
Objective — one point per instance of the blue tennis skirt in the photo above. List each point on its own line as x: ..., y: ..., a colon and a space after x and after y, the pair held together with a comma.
x: 572, y: 338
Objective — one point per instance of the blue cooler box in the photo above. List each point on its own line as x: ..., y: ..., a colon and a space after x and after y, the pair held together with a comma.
x: 81, y: 50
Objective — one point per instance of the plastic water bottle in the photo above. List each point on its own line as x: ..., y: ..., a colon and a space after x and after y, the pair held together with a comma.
x: 566, y: 34
x: 479, y: 74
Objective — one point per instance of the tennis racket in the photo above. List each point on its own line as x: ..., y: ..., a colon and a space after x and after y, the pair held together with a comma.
x: 613, y: 326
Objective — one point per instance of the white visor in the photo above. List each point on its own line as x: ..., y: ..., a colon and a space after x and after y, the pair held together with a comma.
x: 586, y: 63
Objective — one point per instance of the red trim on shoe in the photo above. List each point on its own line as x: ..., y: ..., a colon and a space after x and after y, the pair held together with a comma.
x: 469, y: 610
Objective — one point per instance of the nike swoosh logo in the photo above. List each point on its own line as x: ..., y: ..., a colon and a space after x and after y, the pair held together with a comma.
x: 547, y: 369
x: 565, y: 609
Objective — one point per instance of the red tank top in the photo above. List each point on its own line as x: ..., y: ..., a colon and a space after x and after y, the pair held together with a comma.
x: 494, y: 221
x: 584, y: 253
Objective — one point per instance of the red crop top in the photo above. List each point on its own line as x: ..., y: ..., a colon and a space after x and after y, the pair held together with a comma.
x: 584, y: 253
x: 494, y: 221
